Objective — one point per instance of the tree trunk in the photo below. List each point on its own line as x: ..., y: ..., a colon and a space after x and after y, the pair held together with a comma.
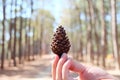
x: 114, y: 33
x: 93, y: 26
x: 33, y: 46
x: 81, y: 50
x: 26, y: 42
x: 41, y: 29
x: 14, y: 46
x: 81, y: 41
x: 10, y: 32
x: 97, y: 37
x: 3, y: 36
x: 86, y: 25
x: 97, y: 40
x: 20, y: 39
x: 89, y: 34
x: 103, y: 35
x: 41, y: 37
x: 28, y: 39
x: 33, y: 32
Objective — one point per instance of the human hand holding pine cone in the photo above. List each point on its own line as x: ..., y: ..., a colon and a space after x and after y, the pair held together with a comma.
x: 61, y: 68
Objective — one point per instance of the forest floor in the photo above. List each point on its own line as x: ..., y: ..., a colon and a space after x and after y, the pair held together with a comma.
x: 39, y: 69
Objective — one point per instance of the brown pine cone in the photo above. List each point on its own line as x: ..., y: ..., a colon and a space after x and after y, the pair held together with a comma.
x: 60, y: 43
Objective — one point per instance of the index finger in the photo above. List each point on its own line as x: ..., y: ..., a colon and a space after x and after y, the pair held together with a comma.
x: 54, y: 65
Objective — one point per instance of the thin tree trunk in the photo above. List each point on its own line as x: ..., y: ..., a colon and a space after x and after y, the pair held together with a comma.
x: 29, y: 41
x: 97, y: 36
x: 3, y: 36
x: 20, y: 39
x: 114, y: 33
x: 14, y: 46
x: 10, y: 32
x: 26, y: 42
x: 86, y: 25
x: 93, y: 26
x: 81, y: 41
x: 81, y: 50
x: 97, y: 41
x: 41, y: 37
x: 33, y: 33
x: 29, y: 48
x: 89, y: 34
x: 103, y: 35
x: 33, y: 52
x: 41, y: 30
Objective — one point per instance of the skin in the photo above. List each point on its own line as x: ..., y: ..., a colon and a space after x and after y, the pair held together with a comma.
x: 62, y: 66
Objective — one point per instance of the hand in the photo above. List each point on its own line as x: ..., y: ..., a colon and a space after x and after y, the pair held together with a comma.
x: 62, y: 66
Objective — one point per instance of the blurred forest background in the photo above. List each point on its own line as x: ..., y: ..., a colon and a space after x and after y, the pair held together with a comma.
x: 27, y: 27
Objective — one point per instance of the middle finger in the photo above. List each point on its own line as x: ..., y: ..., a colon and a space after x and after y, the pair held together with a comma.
x: 59, y: 67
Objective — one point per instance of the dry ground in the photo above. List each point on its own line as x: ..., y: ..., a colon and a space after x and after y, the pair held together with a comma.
x: 34, y: 70
x: 39, y: 69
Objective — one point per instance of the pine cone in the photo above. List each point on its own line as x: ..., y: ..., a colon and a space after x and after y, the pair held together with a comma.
x: 60, y: 43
